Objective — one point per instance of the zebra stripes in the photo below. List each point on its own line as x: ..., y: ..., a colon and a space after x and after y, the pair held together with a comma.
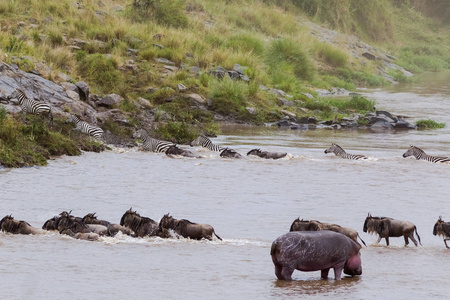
x: 336, y: 149
x: 31, y: 106
x: 419, y: 154
x: 205, y: 142
x: 151, y: 144
x: 85, y: 127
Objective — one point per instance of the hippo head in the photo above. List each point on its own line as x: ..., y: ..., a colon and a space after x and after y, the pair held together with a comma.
x: 353, y: 266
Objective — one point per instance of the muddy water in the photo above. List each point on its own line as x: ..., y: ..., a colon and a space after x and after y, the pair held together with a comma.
x: 250, y: 202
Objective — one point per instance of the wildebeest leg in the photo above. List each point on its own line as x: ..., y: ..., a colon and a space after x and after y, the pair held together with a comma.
x: 407, y: 241
x: 324, y: 273
x: 412, y: 238
x: 379, y: 239
x: 445, y: 242
x: 387, y: 240
x: 286, y: 273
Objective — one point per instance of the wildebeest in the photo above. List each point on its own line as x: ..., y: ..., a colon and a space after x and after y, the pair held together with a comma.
x: 76, y: 224
x: 230, y: 153
x: 113, y: 229
x: 187, y: 229
x: 313, y: 225
x: 142, y: 226
x: 9, y: 224
x: 51, y: 224
x: 443, y: 229
x: 388, y: 227
x: 89, y: 236
x: 266, y: 154
x: 174, y: 150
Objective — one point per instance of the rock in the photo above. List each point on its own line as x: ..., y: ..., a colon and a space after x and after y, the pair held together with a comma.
x: 73, y: 95
x: 195, y: 70
x: 251, y: 110
x: 110, y: 100
x: 181, y: 87
x: 67, y: 86
x: 144, y: 102
x: 83, y: 90
x: 132, y: 52
x: 286, y: 102
x: 402, y: 124
x: 381, y: 125
x: 218, y: 72
x: 196, y: 98
x: 165, y: 61
x: 64, y: 77
x: 288, y: 113
x: 369, y: 56
x: 238, y: 68
x: 233, y: 74
x: 170, y: 68
x: 308, y: 95
x: 244, y: 78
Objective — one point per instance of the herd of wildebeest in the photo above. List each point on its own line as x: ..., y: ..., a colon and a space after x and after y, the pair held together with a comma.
x: 310, y: 245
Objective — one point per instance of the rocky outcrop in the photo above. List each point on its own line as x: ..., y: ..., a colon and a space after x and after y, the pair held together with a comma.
x: 380, y: 120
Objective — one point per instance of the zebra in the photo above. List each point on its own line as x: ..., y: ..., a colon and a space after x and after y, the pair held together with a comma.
x: 85, y: 127
x: 336, y: 149
x: 421, y: 155
x: 31, y: 106
x: 151, y: 144
x: 205, y: 142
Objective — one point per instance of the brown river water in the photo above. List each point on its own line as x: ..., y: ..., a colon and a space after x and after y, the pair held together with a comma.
x: 250, y: 202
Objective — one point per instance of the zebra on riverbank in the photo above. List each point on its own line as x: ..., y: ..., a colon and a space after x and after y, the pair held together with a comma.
x: 205, y: 142
x: 151, y: 144
x: 419, y: 154
x: 85, y: 127
x: 336, y: 149
x: 31, y: 106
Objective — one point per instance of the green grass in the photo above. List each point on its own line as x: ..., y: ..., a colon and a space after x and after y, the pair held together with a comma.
x: 429, y: 124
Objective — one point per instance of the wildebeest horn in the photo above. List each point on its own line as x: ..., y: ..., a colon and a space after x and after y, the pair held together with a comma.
x: 440, y: 218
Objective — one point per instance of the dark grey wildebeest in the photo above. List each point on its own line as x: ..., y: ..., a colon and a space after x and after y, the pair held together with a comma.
x: 388, y: 227
x: 443, y: 229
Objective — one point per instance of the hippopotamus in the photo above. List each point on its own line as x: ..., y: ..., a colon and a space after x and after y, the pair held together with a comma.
x: 313, y: 251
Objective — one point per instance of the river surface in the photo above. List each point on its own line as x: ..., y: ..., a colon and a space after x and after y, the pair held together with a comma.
x: 250, y: 202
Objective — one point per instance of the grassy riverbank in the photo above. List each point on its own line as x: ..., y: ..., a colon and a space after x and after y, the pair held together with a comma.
x: 113, y: 46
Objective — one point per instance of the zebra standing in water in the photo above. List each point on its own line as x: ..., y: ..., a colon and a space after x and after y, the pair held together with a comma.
x: 31, y: 106
x: 420, y: 154
x: 205, y: 142
x: 85, y: 127
x: 336, y: 149
x: 151, y: 144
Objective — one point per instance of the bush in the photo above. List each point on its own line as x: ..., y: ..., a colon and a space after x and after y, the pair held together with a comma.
x: 228, y: 96
x: 285, y: 54
x: 165, y: 12
x: 102, y: 72
x: 429, y: 124
x: 177, y: 132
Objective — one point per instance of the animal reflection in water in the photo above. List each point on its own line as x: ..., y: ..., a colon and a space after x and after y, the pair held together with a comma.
x: 313, y: 225
x: 9, y: 224
x: 388, y: 227
x: 186, y: 228
x: 338, y: 151
x: 419, y: 154
x: 443, y: 229
x: 142, y: 226
x: 266, y: 154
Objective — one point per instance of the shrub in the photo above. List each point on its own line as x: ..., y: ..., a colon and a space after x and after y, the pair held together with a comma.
x: 285, y: 54
x: 177, y: 132
x: 429, y: 124
x: 228, y: 96
x: 165, y: 12
x: 102, y: 72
